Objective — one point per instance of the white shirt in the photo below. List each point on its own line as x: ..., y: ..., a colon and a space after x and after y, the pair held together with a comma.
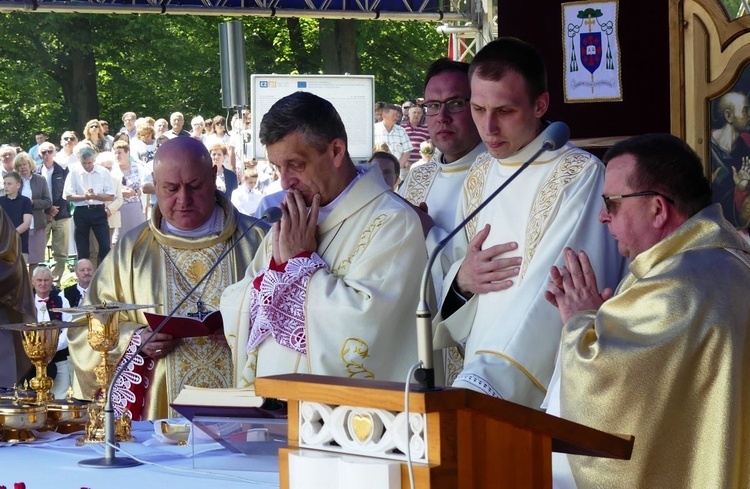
x: 65, y: 160
x: 79, y: 181
x: 246, y: 200
x: 42, y: 314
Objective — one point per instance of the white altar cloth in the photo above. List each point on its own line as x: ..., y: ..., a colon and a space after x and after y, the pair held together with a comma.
x: 55, y: 464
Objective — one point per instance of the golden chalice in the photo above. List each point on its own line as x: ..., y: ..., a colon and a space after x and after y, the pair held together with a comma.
x: 103, y: 322
x: 18, y: 416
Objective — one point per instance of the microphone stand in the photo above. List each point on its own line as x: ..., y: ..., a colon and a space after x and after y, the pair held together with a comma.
x: 109, y: 461
x: 425, y: 375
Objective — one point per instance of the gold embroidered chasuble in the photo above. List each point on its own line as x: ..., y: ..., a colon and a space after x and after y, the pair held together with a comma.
x: 667, y: 359
x: 511, y: 337
x: 138, y: 271
x: 359, y: 311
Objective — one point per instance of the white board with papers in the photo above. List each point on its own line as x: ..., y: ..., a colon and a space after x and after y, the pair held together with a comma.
x: 353, y: 96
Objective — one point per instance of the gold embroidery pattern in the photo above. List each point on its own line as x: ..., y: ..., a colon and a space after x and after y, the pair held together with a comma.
x: 547, y: 200
x: 364, y: 241
x: 474, y: 188
x: 515, y: 363
x: 420, y: 182
x: 454, y: 364
x: 249, y: 372
x: 197, y: 361
x: 353, y: 354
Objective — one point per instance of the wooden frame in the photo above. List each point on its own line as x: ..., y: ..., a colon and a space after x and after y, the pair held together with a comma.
x: 710, y: 57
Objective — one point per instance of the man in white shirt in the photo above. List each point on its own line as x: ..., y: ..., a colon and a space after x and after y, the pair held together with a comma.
x: 390, y: 132
x: 66, y: 156
x: 45, y: 299
x: 89, y: 187
x: 77, y: 292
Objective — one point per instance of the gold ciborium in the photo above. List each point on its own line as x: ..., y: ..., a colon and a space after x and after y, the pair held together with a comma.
x: 103, y: 321
x: 18, y: 416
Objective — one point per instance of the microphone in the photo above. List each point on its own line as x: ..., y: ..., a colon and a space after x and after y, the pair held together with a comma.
x: 271, y: 215
x: 554, y: 137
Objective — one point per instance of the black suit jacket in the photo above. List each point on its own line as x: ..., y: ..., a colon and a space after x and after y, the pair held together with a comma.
x: 59, y: 174
x: 73, y: 295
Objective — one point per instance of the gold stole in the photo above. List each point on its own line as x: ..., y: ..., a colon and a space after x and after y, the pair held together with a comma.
x: 420, y: 181
x: 197, y: 361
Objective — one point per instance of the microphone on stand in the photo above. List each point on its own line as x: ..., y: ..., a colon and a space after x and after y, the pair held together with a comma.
x: 271, y: 215
x: 554, y: 137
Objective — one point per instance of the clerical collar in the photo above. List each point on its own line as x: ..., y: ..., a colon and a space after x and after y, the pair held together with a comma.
x: 214, y: 225
x: 326, y: 210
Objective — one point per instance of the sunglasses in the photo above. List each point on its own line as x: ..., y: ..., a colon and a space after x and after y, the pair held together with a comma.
x: 45, y: 152
x: 69, y: 139
x: 93, y: 127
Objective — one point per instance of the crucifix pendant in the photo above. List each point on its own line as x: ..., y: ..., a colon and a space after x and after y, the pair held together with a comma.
x: 200, y: 313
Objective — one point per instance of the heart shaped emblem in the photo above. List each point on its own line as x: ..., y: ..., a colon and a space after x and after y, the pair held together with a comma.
x: 362, y: 427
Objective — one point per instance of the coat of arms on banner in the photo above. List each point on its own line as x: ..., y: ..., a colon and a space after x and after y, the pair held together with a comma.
x: 592, y: 56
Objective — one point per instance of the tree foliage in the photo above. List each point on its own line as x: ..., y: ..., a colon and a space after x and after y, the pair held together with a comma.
x: 62, y: 70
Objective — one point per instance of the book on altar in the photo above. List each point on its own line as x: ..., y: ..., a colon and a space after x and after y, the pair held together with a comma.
x: 186, y: 327
x: 228, y: 402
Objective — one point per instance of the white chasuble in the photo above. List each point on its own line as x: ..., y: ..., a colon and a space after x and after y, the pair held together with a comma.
x: 439, y: 185
x: 511, y: 336
x: 358, y: 309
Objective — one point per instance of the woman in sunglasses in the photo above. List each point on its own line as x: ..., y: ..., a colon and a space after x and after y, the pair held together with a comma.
x: 94, y: 133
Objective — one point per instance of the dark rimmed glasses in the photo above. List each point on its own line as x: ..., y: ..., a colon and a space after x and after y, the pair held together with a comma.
x: 454, y: 105
x: 647, y: 193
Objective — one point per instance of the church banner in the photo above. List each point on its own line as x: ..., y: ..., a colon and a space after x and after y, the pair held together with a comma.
x: 591, y: 61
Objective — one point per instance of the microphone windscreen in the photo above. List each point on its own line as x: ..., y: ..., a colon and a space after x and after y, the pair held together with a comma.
x: 272, y: 214
x: 556, y: 135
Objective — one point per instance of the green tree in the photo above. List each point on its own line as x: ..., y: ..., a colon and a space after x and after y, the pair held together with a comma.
x: 62, y: 70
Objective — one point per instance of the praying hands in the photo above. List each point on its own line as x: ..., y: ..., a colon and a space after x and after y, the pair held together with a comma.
x: 573, y: 288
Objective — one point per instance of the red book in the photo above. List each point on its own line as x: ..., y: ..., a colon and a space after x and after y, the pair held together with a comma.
x: 186, y: 327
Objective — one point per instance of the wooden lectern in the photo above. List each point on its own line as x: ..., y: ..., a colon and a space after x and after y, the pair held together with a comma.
x: 472, y: 440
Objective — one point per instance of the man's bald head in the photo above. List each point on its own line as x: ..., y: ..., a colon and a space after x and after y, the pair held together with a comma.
x: 182, y: 151
x: 185, y: 183
x: 84, y: 272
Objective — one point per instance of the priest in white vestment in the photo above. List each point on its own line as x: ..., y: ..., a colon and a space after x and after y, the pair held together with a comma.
x: 334, y: 287
x: 438, y: 183
x: 494, y: 304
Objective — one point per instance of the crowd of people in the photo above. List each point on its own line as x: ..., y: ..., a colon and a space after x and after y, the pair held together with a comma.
x: 584, y: 290
x: 79, y: 198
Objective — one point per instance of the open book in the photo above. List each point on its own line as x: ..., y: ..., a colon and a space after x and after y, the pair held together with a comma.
x: 234, y: 403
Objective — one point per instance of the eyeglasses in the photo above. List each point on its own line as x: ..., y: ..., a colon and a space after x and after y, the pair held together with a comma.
x: 45, y: 152
x: 426, y: 151
x: 608, y: 200
x: 407, y: 107
x: 69, y: 139
x: 453, y: 105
